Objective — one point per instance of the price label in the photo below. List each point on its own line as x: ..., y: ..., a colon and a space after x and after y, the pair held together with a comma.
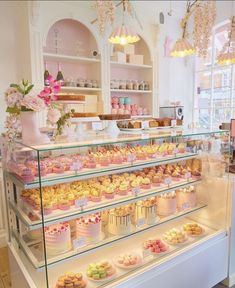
x: 78, y: 243
x: 131, y: 157
x: 81, y: 202
x: 97, y: 126
x: 176, y: 151
x: 136, y: 191
x: 188, y: 175
x: 185, y: 206
x: 188, y: 149
x: 76, y: 166
x: 173, y: 122
x: 167, y: 181
x: 146, y: 253
x: 140, y: 222
x: 145, y: 124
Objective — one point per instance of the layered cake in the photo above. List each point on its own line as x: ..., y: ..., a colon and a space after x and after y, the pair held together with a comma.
x: 58, y: 238
x: 147, y: 210
x: 89, y: 227
x: 119, y: 221
x: 166, y: 204
x: 186, y: 198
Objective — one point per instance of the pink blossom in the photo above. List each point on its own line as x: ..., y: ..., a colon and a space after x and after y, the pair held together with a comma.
x: 48, y: 94
x: 33, y: 102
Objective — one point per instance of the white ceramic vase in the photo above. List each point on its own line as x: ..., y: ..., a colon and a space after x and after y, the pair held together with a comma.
x: 31, y: 134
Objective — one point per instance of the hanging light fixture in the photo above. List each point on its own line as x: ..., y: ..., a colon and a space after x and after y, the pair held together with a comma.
x: 227, y: 55
x: 182, y: 47
x: 123, y: 34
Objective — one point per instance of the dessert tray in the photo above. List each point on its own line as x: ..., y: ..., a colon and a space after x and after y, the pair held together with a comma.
x: 122, y: 266
x: 108, y: 278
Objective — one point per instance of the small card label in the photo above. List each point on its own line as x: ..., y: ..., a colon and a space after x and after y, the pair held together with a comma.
x: 81, y: 202
x: 176, y: 151
x: 145, y: 124
x: 188, y: 175
x: 140, y: 222
x: 131, y: 157
x: 185, y: 206
x: 173, y: 122
x: 167, y: 181
x: 97, y: 126
x: 146, y: 253
x: 136, y: 191
x: 78, y: 243
x: 77, y: 165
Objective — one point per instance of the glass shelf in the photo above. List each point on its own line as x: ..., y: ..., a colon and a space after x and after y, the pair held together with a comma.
x: 92, y: 207
x: 95, y: 139
x: 35, y: 256
x: 86, y: 173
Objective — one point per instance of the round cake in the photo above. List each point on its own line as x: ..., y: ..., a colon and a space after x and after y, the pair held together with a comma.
x: 89, y: 227
x: 186, y: 198
x: 146, y: 210
x: 166, y: 204
x: 119, y: 221
x: 58, y: 238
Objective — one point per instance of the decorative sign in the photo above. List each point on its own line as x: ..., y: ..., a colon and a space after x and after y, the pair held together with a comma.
x: 185, y: 206
x: 145, y: 124
x: 140, y: 222
x: 76, y: 166
x: 81, y: 202
x: 173, y: 122
x: 176, y: 151
x: 131, y: 157
x: 78, y: 243
x: 136, y: 191
x: 97, y: 126
x: 167, y: 181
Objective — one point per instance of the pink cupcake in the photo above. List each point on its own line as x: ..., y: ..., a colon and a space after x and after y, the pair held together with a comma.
x: 64, y: 205
x: 27, y: 175
x: 58, y: 168
x: 146, y: 183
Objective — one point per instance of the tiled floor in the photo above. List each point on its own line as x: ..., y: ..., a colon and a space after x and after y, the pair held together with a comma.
x: 4, y: 271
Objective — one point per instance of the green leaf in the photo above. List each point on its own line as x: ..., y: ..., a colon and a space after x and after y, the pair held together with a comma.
x: 15, y: 86
x: 13, y: 110
x: 30, y: 87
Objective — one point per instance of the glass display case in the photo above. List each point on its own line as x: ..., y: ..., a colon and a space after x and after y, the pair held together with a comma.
x: 101, y: 211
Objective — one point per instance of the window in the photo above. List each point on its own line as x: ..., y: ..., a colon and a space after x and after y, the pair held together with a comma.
x: 214, y: 93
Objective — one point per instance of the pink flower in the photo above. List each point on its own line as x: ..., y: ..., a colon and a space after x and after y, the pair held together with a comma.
x: 33, y: 103
x: 48, y: 94
x: 53, y: 115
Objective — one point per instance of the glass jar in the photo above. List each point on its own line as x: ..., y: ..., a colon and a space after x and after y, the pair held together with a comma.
x: 129, y: 85
x: 112, y: 84
x: 94, y: 84
x: 122, y: 84
x: 80, y: 82
x: 146, y: 85
x: 135, y: 85
x: 141, y: 85
x: 89, y: 83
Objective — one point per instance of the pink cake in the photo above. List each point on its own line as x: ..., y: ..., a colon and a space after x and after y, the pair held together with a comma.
x: 89, y: 227
x: 58, y: 238
x: 166, y: 204
x: 186, y: 198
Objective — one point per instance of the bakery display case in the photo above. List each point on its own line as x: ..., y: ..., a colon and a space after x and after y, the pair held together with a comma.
x: 104, y: 211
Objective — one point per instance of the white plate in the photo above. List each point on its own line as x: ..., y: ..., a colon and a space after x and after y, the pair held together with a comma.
x: 138, y: 264
x: 103, y: 279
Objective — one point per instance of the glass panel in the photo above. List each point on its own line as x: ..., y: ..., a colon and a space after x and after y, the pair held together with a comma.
x: 204, y: 63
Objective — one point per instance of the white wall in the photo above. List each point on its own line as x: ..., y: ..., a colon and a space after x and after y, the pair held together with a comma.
x: 175, y: 76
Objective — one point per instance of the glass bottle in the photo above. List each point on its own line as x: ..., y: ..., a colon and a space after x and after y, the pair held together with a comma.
x: 60, y: 77
x: 46, y: 75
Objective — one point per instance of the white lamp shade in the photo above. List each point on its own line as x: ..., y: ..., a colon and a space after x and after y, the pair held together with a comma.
x: 123, y: 35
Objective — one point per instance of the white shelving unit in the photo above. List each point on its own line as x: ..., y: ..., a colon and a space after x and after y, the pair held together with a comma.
x: 131, y: 91
x: 71, y: 88
x: 129, y: 65
x: 61, y: 57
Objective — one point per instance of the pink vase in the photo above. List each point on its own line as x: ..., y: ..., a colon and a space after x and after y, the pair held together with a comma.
x: 31, y: 134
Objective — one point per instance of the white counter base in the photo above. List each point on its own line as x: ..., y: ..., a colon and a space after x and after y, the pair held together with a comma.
x: 201, y: 266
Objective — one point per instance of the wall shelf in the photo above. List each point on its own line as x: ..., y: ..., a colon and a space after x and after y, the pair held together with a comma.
x: 61, y: 57
x: 131, y: 91
x: 71, y: 88
x: 129, y: 65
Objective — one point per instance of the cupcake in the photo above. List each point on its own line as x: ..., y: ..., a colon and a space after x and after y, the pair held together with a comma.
x: 95, y: 195
x: 58, y: 168
x: 90, y: 163
x: 146, y: 183
x: 156, y: 180
x: 104, y: 161
x: 27, y: 175
x: 123, y: 188
x: 109, y: 191
x: 64, y: 204
x: 47, y: 208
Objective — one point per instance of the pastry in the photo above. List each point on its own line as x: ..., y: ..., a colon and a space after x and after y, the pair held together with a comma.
x: 193, y: 229
x: 174, y: 236
x: 100, y: 270
x: 156, y: 246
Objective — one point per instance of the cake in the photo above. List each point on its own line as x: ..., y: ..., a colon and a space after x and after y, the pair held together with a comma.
x: 193, y: 229
x: 186, y: 198
x: 69, y: 97
x: 175, y: 236
x: 119, y: 221
x: 89, y: 227
x: 155, y: 246
x: 153, y: 123
x: 71, y: 280
x: 58, y: 238
x: 134, y: 125
x: 147, y: 210
x: 101, y: 270
x: 166, y: 204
